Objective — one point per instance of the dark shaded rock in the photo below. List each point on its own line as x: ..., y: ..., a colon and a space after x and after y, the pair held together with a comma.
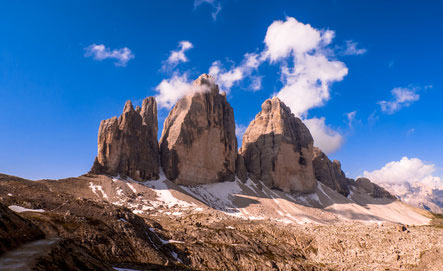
x: 128, y: 145
x: 16, y: 230
x: 240, y: 168
x: 278, y: 149
x: 373, y: 189
x: 330, y: 173
x: 198, y: 143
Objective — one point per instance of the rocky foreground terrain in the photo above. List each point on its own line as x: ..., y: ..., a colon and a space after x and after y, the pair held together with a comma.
x: 98, y: 223
x: 193, y: 201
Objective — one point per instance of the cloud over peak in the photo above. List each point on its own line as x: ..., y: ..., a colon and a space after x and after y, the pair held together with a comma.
x: 100, y: 52
x: 306, y: 83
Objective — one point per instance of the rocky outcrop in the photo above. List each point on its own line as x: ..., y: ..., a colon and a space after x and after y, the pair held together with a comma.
x: 330, y: 173
x: 128, y: 145
x: 198, y: 143
x: 15, y: 230
x: 373, y: 189
x: 278, y: 149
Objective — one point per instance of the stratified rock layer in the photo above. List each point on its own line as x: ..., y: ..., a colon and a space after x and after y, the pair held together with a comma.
x: 198, y: 143
x: 278, y: 149
x: 330, y: 173
x: 128, y: 145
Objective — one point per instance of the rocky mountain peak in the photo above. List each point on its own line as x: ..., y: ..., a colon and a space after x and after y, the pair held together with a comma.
x: 128, y: 145
x: 330, y: 173
x: 198, y: 143
x: 278, y: 149
x: 128, y: 107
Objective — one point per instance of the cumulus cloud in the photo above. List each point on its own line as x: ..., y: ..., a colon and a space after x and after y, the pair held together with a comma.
x: 413, y: 181
x: 350, y: 49
x: 402, y: 97
x: 178, y: 55
x: 327, y: 139
x: 100, y: 52
x: 306, y: 84
x: 216, y: 6
x: 308, y: 69
x: 408, y: 170
x: 291, y: 37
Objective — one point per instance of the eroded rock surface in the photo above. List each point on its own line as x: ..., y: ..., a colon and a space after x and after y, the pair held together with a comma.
x: 278, y: 149
x: 128, y: 145
x: 329, y: 172
x: 198, y: 143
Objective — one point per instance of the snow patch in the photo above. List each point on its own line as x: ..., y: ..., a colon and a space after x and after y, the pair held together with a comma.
x: 96, y: 188
x: 132, y: 188
x: 216, y: 195
x: 19, y: 209
x: 319, y: 186
x: 164, y: 195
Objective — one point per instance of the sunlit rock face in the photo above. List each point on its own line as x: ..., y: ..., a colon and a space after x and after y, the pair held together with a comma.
x: 128, y: 145
x: 278, y: 149
x: 198, y: 143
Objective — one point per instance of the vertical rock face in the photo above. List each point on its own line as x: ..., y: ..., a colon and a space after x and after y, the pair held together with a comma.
x: 330, y: 173
x: 128, y: 145
x: 278, y: 149
x: 198, y: 143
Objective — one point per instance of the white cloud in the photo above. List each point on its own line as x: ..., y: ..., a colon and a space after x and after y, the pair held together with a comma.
x: 216, y: 6
x: 172, y: 89
x: 351, y: 49
x: 227, y: 78
x: 412, y: 180
x: 307, y: 83
x: 308, y: 69
x: 256, y: 83
x: 351, y: 118
x: 179, y: 55
x: 402, y: 97
x: 324, y: 136
x: 240, y: 129
x: 284, y: 38
x: 100, y: 52
x: 407, y: 170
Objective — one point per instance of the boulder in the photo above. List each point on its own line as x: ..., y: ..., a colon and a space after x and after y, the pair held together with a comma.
x: 198, y: 143
x: 128, y: 145
x: 278, y: 149
x: 330, y: 173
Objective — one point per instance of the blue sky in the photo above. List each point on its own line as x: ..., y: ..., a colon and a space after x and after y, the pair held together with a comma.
x: 55, y: 86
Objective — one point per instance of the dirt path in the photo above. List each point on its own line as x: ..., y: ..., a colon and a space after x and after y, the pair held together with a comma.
x: 22, y: 257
